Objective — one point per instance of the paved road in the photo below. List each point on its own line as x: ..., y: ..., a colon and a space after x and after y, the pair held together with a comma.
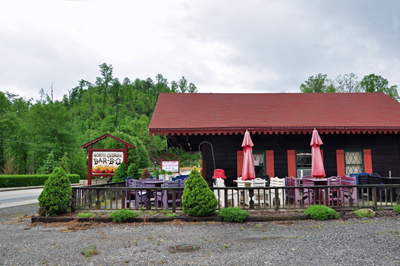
x: 19, y: 197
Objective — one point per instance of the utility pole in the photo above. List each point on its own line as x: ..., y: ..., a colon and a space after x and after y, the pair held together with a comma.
x: 52, y: 92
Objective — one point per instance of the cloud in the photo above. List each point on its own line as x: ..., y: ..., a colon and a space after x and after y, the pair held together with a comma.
x: 220, y: 46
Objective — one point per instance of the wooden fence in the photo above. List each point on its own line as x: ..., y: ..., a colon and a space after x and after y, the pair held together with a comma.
x: 112, y: 196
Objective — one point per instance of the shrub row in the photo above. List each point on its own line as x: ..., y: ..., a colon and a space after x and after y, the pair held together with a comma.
x: 29, y: 180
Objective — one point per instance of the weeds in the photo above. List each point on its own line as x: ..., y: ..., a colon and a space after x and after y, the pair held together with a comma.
x: 89, y: 251
x: 86, y: 215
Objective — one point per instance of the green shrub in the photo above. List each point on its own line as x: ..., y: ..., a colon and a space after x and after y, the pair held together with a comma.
x: 29, y: 180
x: 120, y: 174
x: 396, y: 208
x: 133, y: 171
x: 198, y: 199
x: 321, y: 212
x: 87, y: 214
x: 365, y: 213
x: 122, y: 216
x: 56, y: 193
x: 233, y: 214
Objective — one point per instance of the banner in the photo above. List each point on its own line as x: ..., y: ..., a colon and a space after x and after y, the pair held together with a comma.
x: 106, y: 162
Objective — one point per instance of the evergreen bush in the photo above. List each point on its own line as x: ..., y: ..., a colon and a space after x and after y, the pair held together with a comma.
x: 198, y: 199
x: 396, y: 208
x: 321, y: 212
x: 120, y: 174
x: 133, y: 171
x: 233, y: 214
x: 56, y: 193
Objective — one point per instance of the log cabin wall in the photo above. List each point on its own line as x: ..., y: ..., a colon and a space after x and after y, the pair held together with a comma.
x: 385, y: 151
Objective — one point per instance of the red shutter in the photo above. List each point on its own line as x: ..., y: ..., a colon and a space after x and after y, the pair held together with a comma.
x: 291, y: 159
x: 270, y: 163
x: 239, y: 157
x: 367, y: 161
x: 340, y: 162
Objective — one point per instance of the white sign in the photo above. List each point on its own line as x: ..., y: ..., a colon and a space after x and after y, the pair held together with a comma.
x: 106, y: 162
x: 172, y: 166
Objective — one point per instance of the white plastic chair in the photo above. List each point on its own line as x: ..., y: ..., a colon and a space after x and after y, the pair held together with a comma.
x: 244, y: 194
x: 277, y: 182
x: 260, y: 195
x: 220, y: 194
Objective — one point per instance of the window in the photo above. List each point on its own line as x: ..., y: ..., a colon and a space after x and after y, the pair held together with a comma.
x: 353, y: 161
x: 303, y: 163
x: 259, y: 163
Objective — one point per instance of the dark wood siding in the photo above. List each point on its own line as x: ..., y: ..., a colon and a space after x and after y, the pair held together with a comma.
x: 384, y: 150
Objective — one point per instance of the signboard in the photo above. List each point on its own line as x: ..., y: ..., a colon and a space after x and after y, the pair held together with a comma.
x: 106, y: 162
x: 172, y: 166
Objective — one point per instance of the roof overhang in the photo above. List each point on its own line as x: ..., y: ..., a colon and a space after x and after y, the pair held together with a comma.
x: 275, y: 130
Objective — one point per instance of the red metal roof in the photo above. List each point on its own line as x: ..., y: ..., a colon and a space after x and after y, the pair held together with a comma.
x: 274, y: 113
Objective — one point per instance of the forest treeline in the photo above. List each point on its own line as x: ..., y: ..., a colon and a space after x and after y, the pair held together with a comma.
x: 36, y: 134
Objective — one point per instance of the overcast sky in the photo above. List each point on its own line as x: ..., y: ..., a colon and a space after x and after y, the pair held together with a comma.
x: 220, y: 46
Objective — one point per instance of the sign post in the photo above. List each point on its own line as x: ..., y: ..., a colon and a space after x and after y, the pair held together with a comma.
x: 104, y: 162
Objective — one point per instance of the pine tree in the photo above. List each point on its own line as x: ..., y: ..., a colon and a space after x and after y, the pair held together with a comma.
x: 120, y: 174
x: 56, y: 193
x: 49, y: 164
x: 198, y: 199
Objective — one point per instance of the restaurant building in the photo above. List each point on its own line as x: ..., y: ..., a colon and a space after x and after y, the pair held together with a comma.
x: 360, y: 131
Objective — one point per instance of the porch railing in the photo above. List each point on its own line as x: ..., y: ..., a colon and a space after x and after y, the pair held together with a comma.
x: 112, y: 196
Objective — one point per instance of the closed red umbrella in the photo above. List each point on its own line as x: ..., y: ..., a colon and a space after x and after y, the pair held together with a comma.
x: 317, y: 165
x: 248, y: 171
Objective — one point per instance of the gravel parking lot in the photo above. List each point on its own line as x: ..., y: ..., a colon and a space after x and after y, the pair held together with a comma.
x: 350, y: 242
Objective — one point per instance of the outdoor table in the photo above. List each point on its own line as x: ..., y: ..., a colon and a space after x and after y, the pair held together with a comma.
x: 247, y: 183
x: 392, y: 180
x: 157, y: 183
x: 318, y: 191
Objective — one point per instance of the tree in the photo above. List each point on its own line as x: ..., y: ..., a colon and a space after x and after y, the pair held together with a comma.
x: 317, y: 84
x: 104, y: 82
x: 182, y: 84
x: 348, y: 83
x: 192, y: 88
x: 375, y: 83
x: 49, y: 164
x: 120, y: 174
x: 133, y: 171
x: 174, y: 86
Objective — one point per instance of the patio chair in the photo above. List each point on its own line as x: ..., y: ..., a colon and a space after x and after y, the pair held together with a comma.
x: 165, y: 196
x: 306, y: 182
x: 294, y: 193
x: 346, y: 191
x: 335, y: 193
x: 129, y: 194
x: 140, y: 196
x: 277, y: 182
x: 260, y: 195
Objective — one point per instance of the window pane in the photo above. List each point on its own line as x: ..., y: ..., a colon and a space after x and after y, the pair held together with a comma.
x: 259, y: 166
x: 353, y: 161
x: 353, y: 157
x: 303, y: 159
